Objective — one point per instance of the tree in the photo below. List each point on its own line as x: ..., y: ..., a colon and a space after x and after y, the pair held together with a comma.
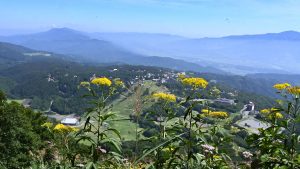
x: 19, y: 134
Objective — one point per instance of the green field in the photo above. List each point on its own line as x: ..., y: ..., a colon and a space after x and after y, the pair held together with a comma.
x: 123, y: 107
x: 20, y: 101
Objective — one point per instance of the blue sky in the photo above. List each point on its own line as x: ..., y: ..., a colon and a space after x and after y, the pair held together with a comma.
x: 192, y: 18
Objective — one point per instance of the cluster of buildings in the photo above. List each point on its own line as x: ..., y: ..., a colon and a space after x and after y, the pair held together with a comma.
x: 225, y: 101
x: 158, y: 78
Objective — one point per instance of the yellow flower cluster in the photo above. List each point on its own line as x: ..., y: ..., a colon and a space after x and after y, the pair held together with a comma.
x: 275, y: 115
x: 205, y: 111
x: 195, y: 82
x: 101, y: 81
x: 266, y: 111
x: 281, y: 86
x: 64, y: 129
x: 295, y: 90
x: 278, y: 115
x: 218, y: 114
x: 47, y: 125
x: 165, y: 96
x: 272, y: 113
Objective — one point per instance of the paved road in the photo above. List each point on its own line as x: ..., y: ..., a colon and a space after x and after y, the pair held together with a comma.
x: 249, y: 122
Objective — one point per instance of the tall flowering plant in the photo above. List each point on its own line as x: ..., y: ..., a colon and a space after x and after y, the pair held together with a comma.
x: 63, y: 139
x: 96, y: 132
x: 190, y: 123
x: 277, y: 146
x: 166, y: 103
x: 192, y: 149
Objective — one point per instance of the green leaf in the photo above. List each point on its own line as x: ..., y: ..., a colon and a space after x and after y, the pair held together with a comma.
x: 91, y: 165
x: 87, y: 122
x: 113, y: 143
x: 108, y: 115
x: 81, y: 138
x: 86, y: 95
x: 115, y: 131
x: 187, y: 112
x: 156, y: 147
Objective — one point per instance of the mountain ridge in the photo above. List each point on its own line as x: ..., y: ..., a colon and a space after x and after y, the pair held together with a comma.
x: 285, y: 35
x: 238, y: 54
x: 85, y: 49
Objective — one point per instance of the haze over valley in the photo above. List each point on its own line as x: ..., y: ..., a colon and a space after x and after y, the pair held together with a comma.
x: 239, y: 54
x: 149, y: 84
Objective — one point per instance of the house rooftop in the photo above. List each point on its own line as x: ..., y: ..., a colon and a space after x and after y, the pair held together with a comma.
x: 70, y: 121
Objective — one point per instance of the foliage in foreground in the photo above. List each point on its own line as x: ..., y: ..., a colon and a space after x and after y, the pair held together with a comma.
x: 21, y: 134
x: 181, y: 140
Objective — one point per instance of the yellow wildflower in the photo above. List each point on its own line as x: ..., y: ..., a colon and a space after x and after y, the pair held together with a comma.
x: 295, y: 90
x: 278, y: 115
x: 281, y: 86
x: 205, y: 111
x: 60, y: 128
x: 265, y: 111
x: 272, y: 113
x: 73, y: 129
x: 64, y: 129
x: 195, y: 82
x: 165, y: 96
x: 47, y: 124
x: 101, y: 81
x: 218, y: 114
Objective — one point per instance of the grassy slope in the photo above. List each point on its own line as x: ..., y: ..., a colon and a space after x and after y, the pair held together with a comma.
x: 123, y: 108
x: 20, y: 101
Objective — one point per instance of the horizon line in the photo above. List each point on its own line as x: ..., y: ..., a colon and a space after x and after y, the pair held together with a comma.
x: 30, y: 32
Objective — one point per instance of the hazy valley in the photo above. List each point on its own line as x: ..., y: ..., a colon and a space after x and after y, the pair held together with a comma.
x: 149, y: 84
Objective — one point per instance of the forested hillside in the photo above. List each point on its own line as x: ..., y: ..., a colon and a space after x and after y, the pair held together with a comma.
x: 57, y: 80
x: 107, y: 136
x: 44, y: 77
x: 124, y: 110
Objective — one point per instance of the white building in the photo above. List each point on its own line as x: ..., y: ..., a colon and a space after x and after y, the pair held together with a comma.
x: 225, y: 101
x: 70, y: 121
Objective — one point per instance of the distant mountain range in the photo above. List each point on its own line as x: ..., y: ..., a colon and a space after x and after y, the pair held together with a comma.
x: 81, y: 47
x: 263, y: 53
x: 243, y: 54
x: 18, y: 61
x: 287, y: 35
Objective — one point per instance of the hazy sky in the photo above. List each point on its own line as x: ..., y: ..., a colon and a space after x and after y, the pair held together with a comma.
x: 193, y: 18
